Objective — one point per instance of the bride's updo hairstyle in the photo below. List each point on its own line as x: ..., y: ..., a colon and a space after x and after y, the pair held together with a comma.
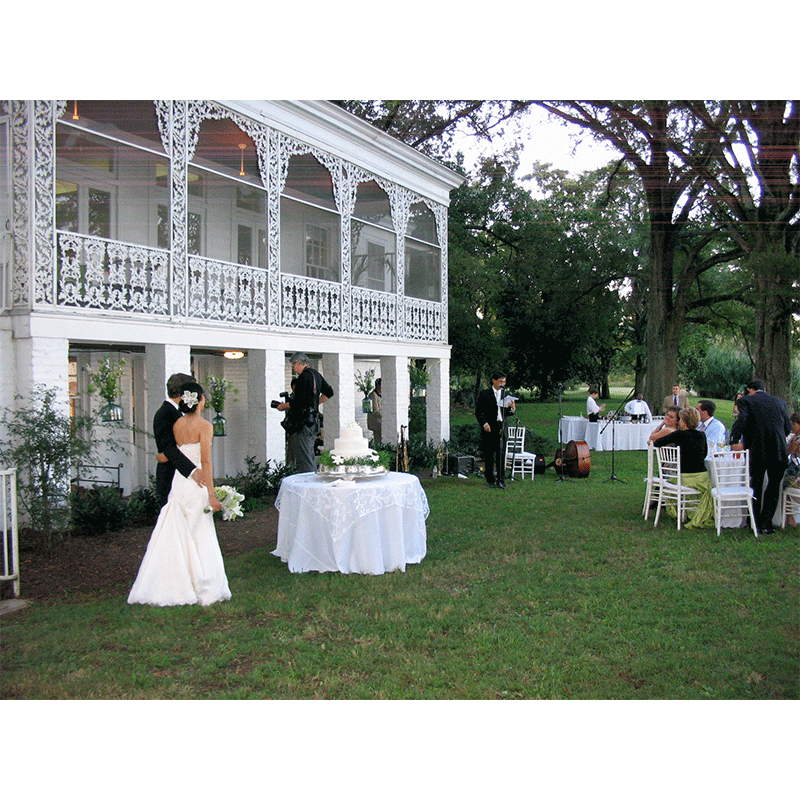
x: 191, y: 394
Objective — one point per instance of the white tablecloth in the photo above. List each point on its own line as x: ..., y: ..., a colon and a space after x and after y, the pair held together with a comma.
x: 367, y: 525
x: 625, y: 435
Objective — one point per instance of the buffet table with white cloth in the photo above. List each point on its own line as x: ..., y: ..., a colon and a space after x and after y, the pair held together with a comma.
x: 366, y: 525
x: 600, y: 435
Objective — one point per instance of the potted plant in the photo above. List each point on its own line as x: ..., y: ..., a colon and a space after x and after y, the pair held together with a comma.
x: 419, y: 377
x: 366, y: 384
x: 106, y: 381
x: 217, y: 389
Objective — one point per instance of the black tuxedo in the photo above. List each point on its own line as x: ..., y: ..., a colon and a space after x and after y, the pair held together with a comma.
x: 165, y: 418
x: 492, y: 440
x: 763, y: 425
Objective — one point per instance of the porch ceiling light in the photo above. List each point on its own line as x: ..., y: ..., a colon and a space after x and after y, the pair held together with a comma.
x: 233, y: 355
x: 241, y: 168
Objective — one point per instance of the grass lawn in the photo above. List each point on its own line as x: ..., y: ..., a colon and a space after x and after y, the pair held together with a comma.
x: 548, y: 590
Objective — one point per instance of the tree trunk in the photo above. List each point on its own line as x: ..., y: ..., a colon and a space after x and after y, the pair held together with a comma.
x: 664, y: 320
x: 775, y: 274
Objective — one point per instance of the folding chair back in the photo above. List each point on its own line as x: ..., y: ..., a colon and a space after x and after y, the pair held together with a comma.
x: 730, y: 476
x: 671, y: 489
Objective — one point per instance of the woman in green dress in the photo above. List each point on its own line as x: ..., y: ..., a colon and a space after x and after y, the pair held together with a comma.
x: 693, y: 451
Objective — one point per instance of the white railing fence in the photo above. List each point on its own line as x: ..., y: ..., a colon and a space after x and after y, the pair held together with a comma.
x: 8, y: 509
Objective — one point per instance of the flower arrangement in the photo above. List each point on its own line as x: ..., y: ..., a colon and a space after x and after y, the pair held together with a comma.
x: 107, y: 379
x: 374, y: 459
x: 231, y: 502
x: 365, y: 382
x: 217, y: 389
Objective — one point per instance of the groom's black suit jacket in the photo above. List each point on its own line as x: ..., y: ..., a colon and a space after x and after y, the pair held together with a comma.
x: 165, y: 418
x: 763, y: 425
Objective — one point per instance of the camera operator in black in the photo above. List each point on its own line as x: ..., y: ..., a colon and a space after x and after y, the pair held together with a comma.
x: 310, y: 390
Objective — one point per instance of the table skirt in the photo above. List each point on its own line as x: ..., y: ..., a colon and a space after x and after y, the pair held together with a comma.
x: 370, y: 526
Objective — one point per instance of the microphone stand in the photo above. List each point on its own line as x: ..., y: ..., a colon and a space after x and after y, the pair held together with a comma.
x: 611, y: 422
x: 560, y: 468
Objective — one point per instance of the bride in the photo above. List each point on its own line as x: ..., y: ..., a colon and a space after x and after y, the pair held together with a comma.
x: 183, y: 563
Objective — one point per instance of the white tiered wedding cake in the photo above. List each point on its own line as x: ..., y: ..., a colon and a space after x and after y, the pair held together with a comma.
x: 352, y: 455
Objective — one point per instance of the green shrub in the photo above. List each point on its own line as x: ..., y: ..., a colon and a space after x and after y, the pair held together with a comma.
x: 721, y: 372
x: 98, y: 510
x: 144, y: 505
x: 259, y: 482
x: 44, y: 444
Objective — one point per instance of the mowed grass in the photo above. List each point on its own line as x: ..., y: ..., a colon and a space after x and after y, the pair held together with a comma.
x: 548, y: 590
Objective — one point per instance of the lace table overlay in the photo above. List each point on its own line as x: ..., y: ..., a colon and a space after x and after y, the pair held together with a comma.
x: 341, y: 504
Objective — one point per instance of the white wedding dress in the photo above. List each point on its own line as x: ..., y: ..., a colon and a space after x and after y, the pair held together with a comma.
x: 183, y: 563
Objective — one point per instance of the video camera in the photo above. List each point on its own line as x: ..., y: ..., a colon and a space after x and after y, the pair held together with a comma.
x: 276, y: 403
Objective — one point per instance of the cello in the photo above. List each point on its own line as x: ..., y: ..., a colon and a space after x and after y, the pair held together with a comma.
x: 574, y: 461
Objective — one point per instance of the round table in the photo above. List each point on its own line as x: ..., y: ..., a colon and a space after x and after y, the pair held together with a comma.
x: 365, y: 525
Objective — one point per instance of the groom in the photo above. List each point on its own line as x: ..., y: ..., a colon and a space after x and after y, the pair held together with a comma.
x: 169, y: 456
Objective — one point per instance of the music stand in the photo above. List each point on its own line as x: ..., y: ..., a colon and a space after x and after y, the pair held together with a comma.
x: 611, y: 422
x: 562, y: 478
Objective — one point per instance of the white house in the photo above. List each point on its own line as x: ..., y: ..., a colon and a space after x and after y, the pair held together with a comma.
x: 169, y: 233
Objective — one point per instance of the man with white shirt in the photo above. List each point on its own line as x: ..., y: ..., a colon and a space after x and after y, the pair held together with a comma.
x: 593, y: 410
x: 638, y: 408
x: 491, y: 411
x: 713, y: 428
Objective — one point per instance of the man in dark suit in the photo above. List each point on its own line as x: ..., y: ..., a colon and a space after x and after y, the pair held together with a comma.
x: 491, y: 411
x: 762, y: 427
x: 169, y: 456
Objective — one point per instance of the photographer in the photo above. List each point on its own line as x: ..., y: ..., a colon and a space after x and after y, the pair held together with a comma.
x: 302, y: 421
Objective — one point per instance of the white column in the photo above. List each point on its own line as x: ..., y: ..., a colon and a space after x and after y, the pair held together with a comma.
x: 339, y: 370
x: 161, y: 361
x: 395, y: 387
x: 438, y: 401
x: 266, y: 379
x: 43, y: 362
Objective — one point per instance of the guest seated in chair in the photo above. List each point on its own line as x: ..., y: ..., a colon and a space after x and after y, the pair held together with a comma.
x: 669, y: 425
x: 791, y: 478
x: 693, y: 447
x: 713, y: 428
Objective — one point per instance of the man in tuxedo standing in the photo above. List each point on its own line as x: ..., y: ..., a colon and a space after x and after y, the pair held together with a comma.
x: 169, y: 456
x: 677, y: 399
x: 762, y: 427
x: 491, y: 411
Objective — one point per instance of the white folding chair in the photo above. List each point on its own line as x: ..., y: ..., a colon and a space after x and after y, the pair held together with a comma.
x: 518, y: 460
x: 790, y: 505
x: 672, y: 491
x: 652, y: 482
x: 730, y: 478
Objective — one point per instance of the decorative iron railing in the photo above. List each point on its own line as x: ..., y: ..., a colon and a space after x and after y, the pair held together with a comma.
x: 310, y: 304
x: 6, y: 273
x: 219, y: 290
x: 424, y: 320
x: 96, y: 273
x: 374, y: 313
x: 112, y: 276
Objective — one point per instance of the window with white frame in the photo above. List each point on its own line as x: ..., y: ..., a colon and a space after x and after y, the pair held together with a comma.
x: 373, y: 243
x: 423, y: 256
x: 111, y: 172
x: 310, y: 223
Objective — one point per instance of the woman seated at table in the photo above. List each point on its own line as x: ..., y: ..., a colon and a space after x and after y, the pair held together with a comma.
x: 693, y: 447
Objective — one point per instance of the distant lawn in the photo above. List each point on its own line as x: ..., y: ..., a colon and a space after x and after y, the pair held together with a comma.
x: 547, y: 590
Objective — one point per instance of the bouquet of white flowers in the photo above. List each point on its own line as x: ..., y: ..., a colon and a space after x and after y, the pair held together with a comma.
x: 231, y: 502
